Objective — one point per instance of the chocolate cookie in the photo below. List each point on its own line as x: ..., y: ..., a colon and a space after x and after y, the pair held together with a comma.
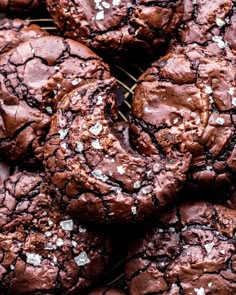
x: 191, y: 252
x: 118, y: 27
x: 106, y: 291
x: 211, y: 24
x: 186, y: 101
x: 98, y: 177
x: 23, y: 6
x: 43, y: 250
x: 13, y: 32
x: 34, y: 76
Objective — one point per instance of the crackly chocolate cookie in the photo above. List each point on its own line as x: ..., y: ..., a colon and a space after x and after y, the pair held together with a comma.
x: 43, y: 250
x: 118, y: 27
x: 33, y: 77
x: 106, y: 291
x: 97, y: 176
x: 187, y: 101
x: 192, y: 251
x: 23, y: 6
x: 211, y: 24
x: 15, y: 31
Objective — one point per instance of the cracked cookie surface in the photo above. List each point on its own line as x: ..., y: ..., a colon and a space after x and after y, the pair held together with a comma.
x: 34, y: 76
x: 186, y: 101
x: 97, y: 176
x: 190, y: 252
x: 118, y: 27
x: 15, y: 31
x: 43, y: 250
x: 211, y: 24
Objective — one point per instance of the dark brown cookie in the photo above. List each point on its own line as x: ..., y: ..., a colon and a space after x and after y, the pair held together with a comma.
x: 191, y: 252
x: 211, y: 24
x: 33, y: 77
x: 97, y: 176
x: 187, y: 101
x: 43, y: 250
x: 15, y: 31
x: 106, y: 291
x: 118, y: 27
x: 23, y: 6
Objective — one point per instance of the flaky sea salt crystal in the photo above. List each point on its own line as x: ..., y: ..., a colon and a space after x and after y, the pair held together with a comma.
x: 67, y: 224
x: 82, y: 259
x: 34, y: 259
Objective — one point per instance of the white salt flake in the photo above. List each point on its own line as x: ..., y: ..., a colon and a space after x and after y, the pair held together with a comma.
x: 59, y: 242
x: 147, y: 110
x: 231, y: 90
x: 222, y: 251
x: 189, y: 99
x: 74, y: 243
x: 100, y: 15
x: 67, y: 224
x: 49, y: 110
x: 220, y: 43
x: 175, y: 121
x: 211, y: 99
x: 82, y: 229
x: 115, y: 2
x: 234, y: 101
x: 220, y: 22
x: 129, y: 5
x: 96, y: 144
x: 50, y: 222
x: 64, y: 145
x: 54, y: 259
x: 134, y: 210
x: 209, y: 285
x: 106, y: 5
x: 82, y: 259
x: 137, y: 184
x: 121, y: 170
x: 220, y: 121
x: 98, y: 174
x: 79, y: 148
x: 96, y: 129
x: 58, y: 86
x: 34, y: 259
x: 209, y: 168
x: 63, y: 133
x: 57, y: 67
x: 48, y: 234
x: 209, y: 247
x: 99, y: 100
x: 76, y: 82
x: 208, y: 90
x: 200, y: 291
